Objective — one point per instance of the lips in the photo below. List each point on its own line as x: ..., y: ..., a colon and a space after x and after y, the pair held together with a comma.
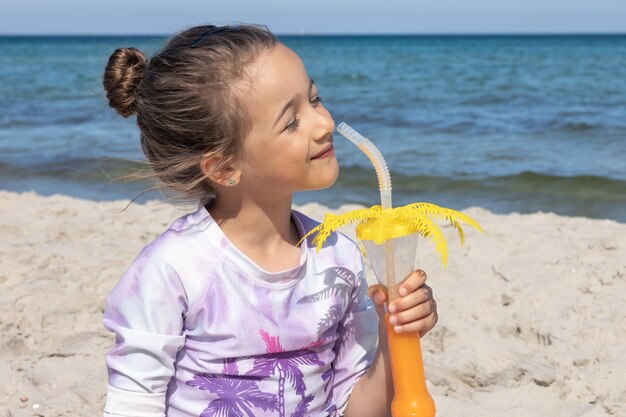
x: 325, y: 152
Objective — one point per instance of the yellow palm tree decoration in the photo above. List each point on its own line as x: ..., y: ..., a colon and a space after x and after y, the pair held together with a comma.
x: 381, y: 224
x: 416, y: 218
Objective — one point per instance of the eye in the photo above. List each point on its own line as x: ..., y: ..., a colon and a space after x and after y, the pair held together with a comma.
x: 316, y: 100
x: 293, y: 125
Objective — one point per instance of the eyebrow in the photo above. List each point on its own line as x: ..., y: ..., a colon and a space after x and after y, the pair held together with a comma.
x: 291, y: 103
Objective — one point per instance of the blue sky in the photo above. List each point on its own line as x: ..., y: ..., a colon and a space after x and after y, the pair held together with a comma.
x: 315, y: 17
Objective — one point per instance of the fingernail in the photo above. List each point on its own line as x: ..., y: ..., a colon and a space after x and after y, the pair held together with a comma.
x: 393, y: 320
x: 397, y: 329
x: 392, y: 308
x: 402, y: 291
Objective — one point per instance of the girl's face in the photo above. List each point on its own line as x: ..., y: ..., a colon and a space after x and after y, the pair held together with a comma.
x: 289, y: 147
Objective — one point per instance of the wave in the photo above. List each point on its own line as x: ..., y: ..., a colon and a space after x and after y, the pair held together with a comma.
x: 83, y: 170
x: 527, y: 191
x: 581, y: 195
x: 357, y: 175
x: 353, y: 176
x: 579, y: 126
x: 69, y: 120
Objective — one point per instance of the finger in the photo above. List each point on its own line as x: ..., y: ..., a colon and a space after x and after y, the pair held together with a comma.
x: 416, y: 313
x: 420, y: 296
x: 422, y: 326
x: 415, y: 280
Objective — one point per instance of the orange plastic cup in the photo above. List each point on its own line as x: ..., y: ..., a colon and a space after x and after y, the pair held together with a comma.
x: 411, y: 398
x: 392, y: 262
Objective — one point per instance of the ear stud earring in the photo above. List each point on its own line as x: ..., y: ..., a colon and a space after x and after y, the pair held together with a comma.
x: 232, y: 181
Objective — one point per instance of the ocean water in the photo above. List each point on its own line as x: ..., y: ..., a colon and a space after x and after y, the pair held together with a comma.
x: 509, y: 123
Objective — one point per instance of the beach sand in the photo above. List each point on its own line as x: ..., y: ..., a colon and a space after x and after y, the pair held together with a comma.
x: 532, y: 313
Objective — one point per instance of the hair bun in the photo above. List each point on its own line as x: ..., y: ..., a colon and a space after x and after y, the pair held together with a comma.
x: 122, y: 74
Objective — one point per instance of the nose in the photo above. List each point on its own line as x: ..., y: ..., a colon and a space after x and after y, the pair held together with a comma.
x: 324, y: 124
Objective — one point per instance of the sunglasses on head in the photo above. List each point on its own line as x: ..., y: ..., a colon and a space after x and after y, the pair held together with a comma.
x: 212, y: 31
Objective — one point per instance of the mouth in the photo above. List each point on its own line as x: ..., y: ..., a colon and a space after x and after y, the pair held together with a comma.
x: 325, y: 153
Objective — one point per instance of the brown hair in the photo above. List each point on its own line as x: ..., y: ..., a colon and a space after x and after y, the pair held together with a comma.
x: 188, y: 101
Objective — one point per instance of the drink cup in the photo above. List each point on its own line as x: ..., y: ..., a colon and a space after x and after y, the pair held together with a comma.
x: 392, y: 261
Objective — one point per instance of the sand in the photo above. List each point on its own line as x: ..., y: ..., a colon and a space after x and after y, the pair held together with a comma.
x: 532, y: 313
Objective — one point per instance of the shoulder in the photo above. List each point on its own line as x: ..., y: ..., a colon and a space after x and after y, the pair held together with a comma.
x: 336, y: 237
x: 178, y: 244
x: 179, y: 257
x: 337, y: 243
x: 185, y: 240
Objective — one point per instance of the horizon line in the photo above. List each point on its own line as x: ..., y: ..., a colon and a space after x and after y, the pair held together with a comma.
x: 333, y: 34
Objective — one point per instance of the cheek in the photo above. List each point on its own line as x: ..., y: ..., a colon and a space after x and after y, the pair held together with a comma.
x: 281, y: 162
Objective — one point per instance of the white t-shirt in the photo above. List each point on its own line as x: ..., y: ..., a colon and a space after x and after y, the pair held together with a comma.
x: 201, y: 330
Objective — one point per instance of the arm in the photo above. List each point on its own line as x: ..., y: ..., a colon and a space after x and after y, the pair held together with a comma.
x: 145, y: 311
x: 415, y: 310
x: 373, y: 393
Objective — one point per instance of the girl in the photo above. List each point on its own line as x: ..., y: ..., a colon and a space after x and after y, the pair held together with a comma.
x: 225, y: 313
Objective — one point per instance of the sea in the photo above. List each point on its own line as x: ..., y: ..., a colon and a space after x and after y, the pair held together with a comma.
x: 511, y: 123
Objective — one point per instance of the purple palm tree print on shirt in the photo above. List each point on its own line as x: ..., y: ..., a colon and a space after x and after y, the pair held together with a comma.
x: 303, y: 406
x: 328, y: 389
x: 287, y: 365
x: 237, y: 395
x: 339, y: 282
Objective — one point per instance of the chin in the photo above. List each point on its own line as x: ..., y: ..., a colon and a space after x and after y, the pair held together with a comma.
x: 323, y: 178
x: 326, y: 181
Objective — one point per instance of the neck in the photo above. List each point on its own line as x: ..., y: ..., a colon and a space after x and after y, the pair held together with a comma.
x: 247, y: 221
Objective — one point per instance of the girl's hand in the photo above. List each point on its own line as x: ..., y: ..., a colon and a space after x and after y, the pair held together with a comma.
x: 414, y: 310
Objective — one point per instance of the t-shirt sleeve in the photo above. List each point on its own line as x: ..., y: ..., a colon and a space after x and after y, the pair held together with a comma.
x: 146, y: 312
x: 356, y: 347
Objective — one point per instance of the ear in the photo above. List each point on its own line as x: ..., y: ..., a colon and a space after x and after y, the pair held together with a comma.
x: 219, y: 171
